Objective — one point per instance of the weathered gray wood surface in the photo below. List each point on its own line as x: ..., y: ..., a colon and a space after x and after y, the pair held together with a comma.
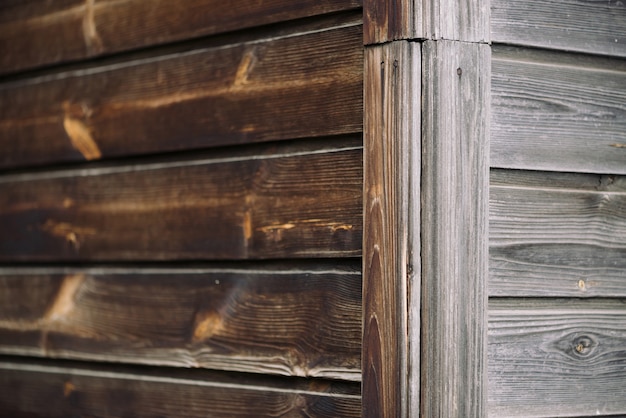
x: 455, y: 179
x: 69, y: 390
x: 38, y: 32
x: 279, y: 87
x: 273, y: 201
x: 558, y: 112
x: 591, y: 26
x: 385, y: 21
x: 289, y: 319
x: 391, y: 230
x: 554, y: 234
x: 557, y: 357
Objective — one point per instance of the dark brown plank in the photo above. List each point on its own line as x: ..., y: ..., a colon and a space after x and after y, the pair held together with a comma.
x: 38, y: 32
x: 454, y: 228
x: 279, y: 202
x: 592, y: 26
x: 292, y: 86
x: 28, y: 390
x: 297, y: 320
x: 391, y: 326
x: 558, y: 112
x: 557, y: 234
x: 557, y: 358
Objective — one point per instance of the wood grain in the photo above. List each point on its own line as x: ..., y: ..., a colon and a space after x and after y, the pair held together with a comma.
x: 298, y: 85
x: 454, y: 213
x: 550, y: 358
x: 557, y: 235
x: 591, y: 26
x: 558, y: 112
x: 39, y: 33
x: 385, y: 21
x: 297, y: 200
x: 391, y: 284
x: 28, y: 390
x: 288, y: 319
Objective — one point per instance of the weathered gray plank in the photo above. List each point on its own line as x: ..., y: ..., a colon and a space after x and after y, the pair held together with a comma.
x: 592, y: 26
x: 70, y: 390
x: 289, y: 319
x: 557, y: 235
x: 391, y: 286
x: 455, y: 178
x: 38, y: 32
x: 386, y: 21
x: 556, y: 357
x: 558, y: 112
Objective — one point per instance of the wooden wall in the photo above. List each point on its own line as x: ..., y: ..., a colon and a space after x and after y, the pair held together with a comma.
x: 180, y: 208
x: 557, y: 308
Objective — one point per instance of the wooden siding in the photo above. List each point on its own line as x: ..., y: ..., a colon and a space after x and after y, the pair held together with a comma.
x: 582, y: 254
x: 302, y: 319
x: 557, y: 358
x: 557, y: 318
x: 63, y: 390
x: 590, y: 26
x: 245, y: 92
x: 181, y: 208
x: 280, y: 202
x: 558, y: 112
x: 38, y: 33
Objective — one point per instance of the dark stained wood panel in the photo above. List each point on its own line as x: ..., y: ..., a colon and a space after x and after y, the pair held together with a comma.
x: 554, y: 234
x: 558, y: 112
x: 280, y: 202
x: 592, y: 26
x: 39, y: 33
x: 29, y: 390
x: 557, y: 357
x: 294, y: 86
x: 391, y: 326
x: 286, y: 319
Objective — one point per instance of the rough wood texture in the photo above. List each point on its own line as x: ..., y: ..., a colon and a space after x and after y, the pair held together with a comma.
x: 557, y: 235
x: 455, y: 178
x: 391, y: 231
x: 385, y: 21
x: 29, y: 390
x: 592, y: 26
x: 298, y: 320
x: 298, y: 85
x: 37, y: 33
x: 558, y: 112
x: 295, y: 200
x: 550, y: 358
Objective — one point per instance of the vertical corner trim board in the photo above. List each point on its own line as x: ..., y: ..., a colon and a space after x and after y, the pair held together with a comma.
x: 454, y: 215
x: 430, y: 19
x: 391, y: 237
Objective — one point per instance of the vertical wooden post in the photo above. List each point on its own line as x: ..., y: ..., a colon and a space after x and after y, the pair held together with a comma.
x: 425, y: 249
x: 455, y: 193
x: 391, y: 229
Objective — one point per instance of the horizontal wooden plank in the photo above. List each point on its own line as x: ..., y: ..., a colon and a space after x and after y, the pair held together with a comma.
x: 592, y: 26
x: 558, y: 112
x: 28, y: 390
x: 557, y: 234
x: 38, y: 33
x: 554, y: 358
x: 295, y: 86
x: 297, y: 320
x: 280, y: 202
